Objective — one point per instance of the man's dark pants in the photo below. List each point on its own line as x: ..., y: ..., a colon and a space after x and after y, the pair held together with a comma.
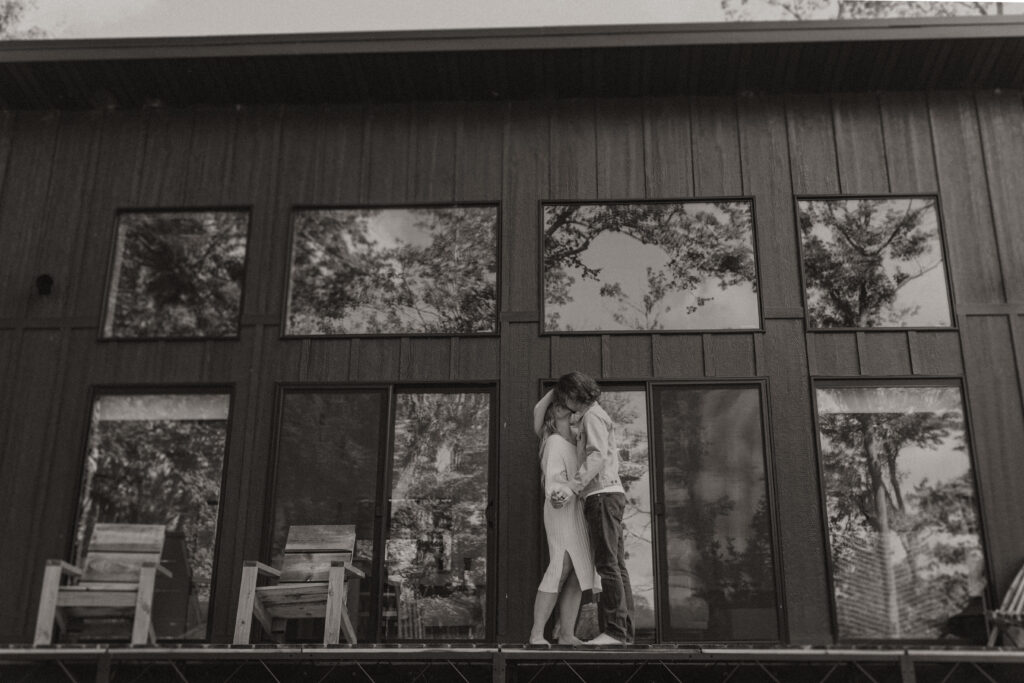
x: 603, y: 512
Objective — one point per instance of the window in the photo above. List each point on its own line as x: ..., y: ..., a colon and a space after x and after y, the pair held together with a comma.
x: 419, y: 500
x: 158, y: 459
x: 903, y: 523
x: 328, y: 466
x: 177, y: 274
x: 628, y: 410
x: 414, y: 270
x: 649, y: 266
x: 718, y: 569
x: 873, y: 262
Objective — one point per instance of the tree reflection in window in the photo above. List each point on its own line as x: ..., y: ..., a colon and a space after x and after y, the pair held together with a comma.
x: 902, y: 510
x: 437, y: 541
x: 718, y: 543
x: 177, y: 274
x: 873, y: 263
x: 649, y: 266
x: 391, y: 271
x: 157, y: 459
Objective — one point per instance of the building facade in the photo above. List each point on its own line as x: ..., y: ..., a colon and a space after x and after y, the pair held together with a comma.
x: 234, y: 297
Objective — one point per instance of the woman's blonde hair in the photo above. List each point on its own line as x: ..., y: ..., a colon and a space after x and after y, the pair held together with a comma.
x: 548, y: 427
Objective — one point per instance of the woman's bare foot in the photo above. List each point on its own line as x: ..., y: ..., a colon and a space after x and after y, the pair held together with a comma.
x: 571, y: 641
x: 541, y: 640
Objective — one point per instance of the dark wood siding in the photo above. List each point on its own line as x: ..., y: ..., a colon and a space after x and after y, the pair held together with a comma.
x: 64, y: 175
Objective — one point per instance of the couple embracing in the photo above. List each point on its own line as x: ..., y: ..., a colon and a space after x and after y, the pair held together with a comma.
x: 583, y: 504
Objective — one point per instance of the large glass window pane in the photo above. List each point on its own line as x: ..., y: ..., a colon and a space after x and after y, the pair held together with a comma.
x: 873, y: 263
x: 650, y: 266
x: 902, y: 509
x: 720, y: 573
x: 628, y: 411
x: 437, y: 536
x: 394, y: 271
x: 158, y: 459
x: 177, y: 274
x: 327, y: 471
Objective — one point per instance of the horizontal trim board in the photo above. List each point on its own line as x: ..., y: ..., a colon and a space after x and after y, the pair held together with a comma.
x: 533, y: 38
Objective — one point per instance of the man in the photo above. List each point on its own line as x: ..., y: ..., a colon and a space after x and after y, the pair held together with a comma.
x: 604, y: 500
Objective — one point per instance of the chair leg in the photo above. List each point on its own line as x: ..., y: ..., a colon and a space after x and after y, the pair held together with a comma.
x: 336, y: 619
x: 47, y: 604
x: 144, y: 605
x: 246, y: 605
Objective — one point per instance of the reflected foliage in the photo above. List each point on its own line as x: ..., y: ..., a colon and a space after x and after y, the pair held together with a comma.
x: 159, y: 471
x: 386, y: 271
x: 698, y: 248
x: 801, y: 10
x: 902, y: 512
x: 721, y: 577
x: 861, y: 256
x: 177, y: 275
x: 438, y: 531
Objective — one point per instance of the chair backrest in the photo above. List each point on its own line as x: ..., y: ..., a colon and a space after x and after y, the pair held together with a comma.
x: 1013, y: 601
x: 117, y: 551
x: 309, y: 551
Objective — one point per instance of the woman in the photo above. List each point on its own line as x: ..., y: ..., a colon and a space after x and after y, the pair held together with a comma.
x: 571, y: 568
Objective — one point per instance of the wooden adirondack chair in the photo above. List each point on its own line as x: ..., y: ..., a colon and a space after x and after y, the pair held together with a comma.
x: 312, y: 583
x: 1010, y: 613
x: 116, y: 580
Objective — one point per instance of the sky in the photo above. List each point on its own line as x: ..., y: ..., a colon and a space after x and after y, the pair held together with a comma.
x: 138, y: 18
x: 149, y: 18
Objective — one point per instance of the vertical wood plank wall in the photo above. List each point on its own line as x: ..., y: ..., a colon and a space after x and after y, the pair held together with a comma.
x: 63, y: 175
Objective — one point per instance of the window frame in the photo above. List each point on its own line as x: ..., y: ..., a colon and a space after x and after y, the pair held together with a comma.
x: 112, y: 259
x: 96, y: 391
x: 762, y: 384
x: 750, y: 198
x: 940, y: 233
x: 895, y: 381
x: 382, y: 507
x: 286, y: 289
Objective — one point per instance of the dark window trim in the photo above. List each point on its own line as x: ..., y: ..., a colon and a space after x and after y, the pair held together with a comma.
x: 382, y: 512
x: 287, y: 285
x: 112, y: 259
x: 896, y: 382
x: 97, y: 390
x: 541, y: 203
x: 941, y: 232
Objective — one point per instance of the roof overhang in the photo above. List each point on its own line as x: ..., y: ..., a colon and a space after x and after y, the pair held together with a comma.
x: 607, y: 61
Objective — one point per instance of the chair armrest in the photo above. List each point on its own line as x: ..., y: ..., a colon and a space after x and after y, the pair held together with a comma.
x: 349, y: 569
x: 65, y: 567
x: 263, y: 569
x: 158, y: 567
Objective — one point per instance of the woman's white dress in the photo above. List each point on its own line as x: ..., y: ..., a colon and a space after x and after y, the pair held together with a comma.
x: 565, y: 527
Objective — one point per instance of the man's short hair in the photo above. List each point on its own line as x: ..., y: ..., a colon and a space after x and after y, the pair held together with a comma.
x: 576, y: 386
